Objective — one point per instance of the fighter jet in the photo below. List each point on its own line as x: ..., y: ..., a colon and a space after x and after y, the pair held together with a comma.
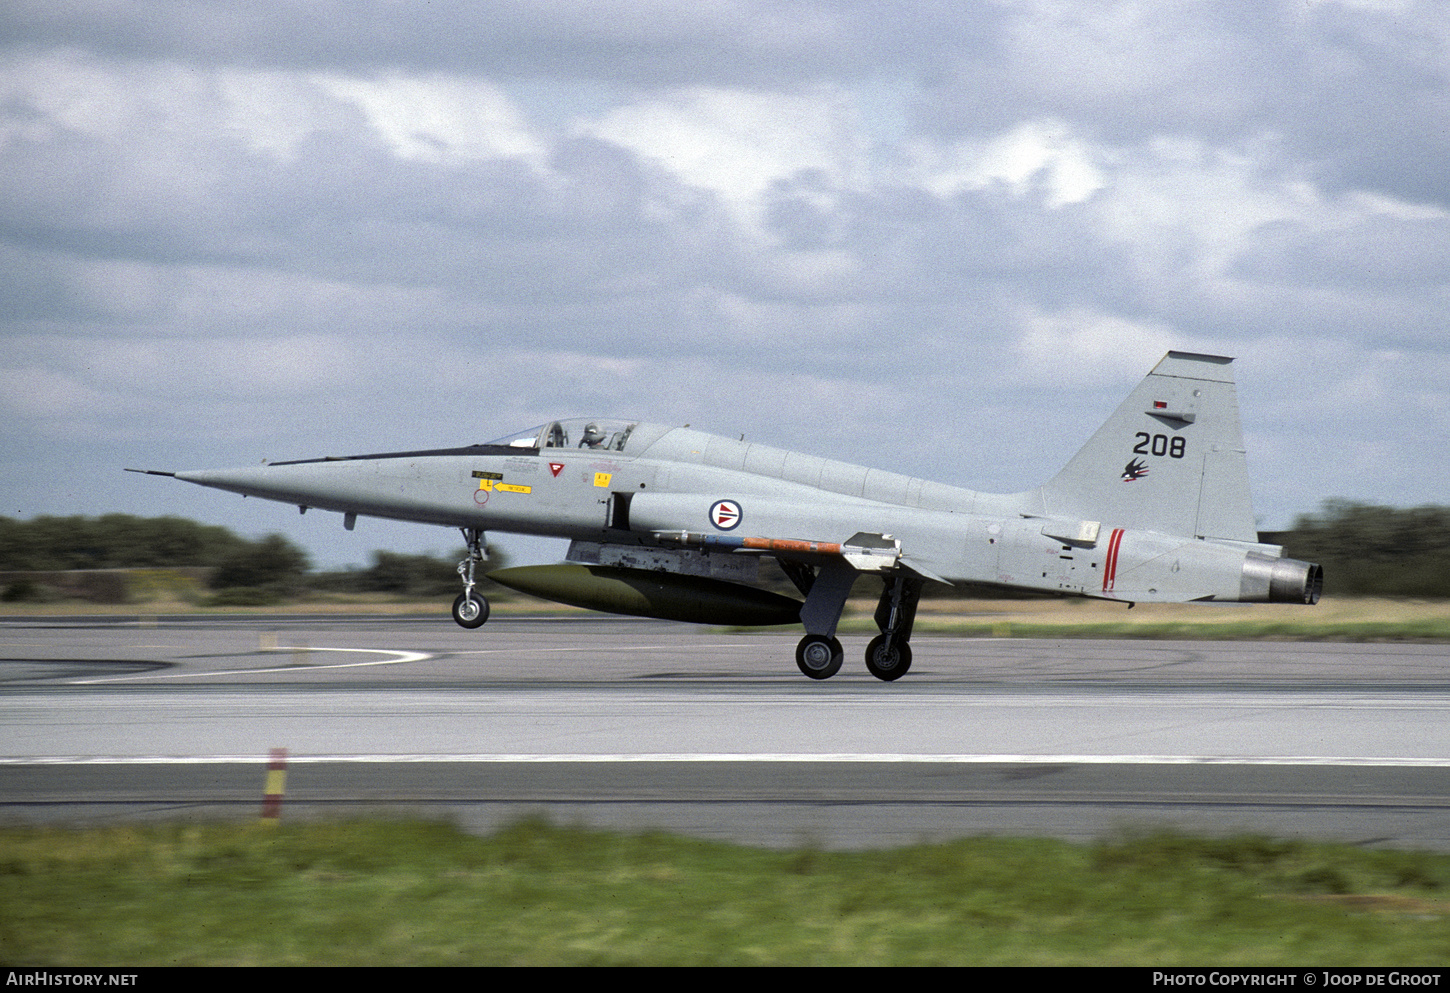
x: 673, y: 523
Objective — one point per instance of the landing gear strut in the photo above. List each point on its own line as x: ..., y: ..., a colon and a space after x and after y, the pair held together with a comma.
x: 470, y: 610
x: 888, y: 656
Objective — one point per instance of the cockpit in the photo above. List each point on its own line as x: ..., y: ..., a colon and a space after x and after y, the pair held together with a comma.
x: 600, y: 434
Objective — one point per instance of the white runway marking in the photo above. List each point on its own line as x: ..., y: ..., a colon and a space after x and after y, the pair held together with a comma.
x: 596, y: 649
x: 398, y: 659
x: 802, y: 757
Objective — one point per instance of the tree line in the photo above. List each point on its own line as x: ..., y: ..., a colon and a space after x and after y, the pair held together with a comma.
x: 1370, y: 550
x: 239, y: 570
x: 1365, y: 549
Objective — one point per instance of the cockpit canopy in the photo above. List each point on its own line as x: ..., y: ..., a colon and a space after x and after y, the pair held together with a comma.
x: 601, y: 434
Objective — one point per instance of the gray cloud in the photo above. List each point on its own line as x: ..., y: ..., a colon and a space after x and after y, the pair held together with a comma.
x: 934, y: 238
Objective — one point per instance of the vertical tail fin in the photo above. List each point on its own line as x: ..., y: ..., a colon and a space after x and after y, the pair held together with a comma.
x: 1170, y: 459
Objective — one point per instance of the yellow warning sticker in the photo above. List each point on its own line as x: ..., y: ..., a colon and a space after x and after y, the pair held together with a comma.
x: 602, y: 478
x: 494, y: 486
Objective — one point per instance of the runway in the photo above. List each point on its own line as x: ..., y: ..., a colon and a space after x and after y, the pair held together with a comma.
x: 642, y: 724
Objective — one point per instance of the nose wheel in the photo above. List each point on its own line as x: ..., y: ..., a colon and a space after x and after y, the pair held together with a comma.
x: 470, y: 610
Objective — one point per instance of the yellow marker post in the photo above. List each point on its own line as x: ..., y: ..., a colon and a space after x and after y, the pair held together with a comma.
x: 276, y: 786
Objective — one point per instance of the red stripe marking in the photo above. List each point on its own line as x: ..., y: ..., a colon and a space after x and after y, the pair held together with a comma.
x: 793, y: 545
x: 1110, y: 569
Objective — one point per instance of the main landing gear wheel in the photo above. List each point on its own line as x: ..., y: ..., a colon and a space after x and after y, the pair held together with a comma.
x: 888, y: 658
x: 818, y: 656
x: 470, y: 610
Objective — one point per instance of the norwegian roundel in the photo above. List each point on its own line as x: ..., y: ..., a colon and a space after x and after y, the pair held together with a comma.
x: 725, y: 514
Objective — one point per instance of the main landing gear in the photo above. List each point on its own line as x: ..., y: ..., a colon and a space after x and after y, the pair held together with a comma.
x: 470, y: 610
x: 819, y: 656
x: 888, y: 657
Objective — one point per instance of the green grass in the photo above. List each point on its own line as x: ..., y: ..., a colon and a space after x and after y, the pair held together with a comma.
x: 1247, y: 629
x: 1363, y: 619
x: 390, y: 893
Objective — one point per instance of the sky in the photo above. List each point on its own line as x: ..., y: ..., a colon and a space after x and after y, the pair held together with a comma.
x: 944, y: 239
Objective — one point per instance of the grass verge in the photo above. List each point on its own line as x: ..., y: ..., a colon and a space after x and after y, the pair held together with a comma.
x: 1337, y: 619
x: 404, y: 893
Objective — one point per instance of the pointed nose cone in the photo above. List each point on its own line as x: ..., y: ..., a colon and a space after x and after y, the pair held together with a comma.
x: 375, y: 488
x: 253, y: 481
x: 303, y: 485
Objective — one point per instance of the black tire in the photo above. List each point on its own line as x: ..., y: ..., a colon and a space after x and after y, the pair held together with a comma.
x: 470, y: 611
x: 888, y: 659
x: 818, y: 657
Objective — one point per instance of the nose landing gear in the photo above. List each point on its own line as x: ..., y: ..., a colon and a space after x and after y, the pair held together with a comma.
x: 470, y: 610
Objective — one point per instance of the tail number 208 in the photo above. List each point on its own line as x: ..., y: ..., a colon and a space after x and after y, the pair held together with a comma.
x: 1159, y: 444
